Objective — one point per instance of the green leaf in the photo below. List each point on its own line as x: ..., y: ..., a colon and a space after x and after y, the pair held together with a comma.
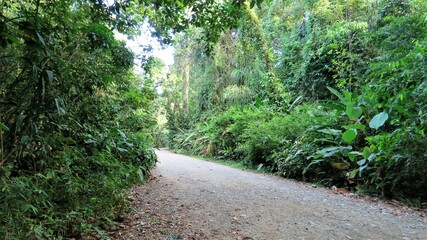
x: 366, y: 152
x: 41, y: 39
x: 378, y: 120
x: 361, y: 162
x: 334, y: 132
x: 348, y: 97
x: 297, y: 100
x: 335, y: 106
x: 352, y: 155
x: 25, y: 139
x: 353, y: 173
x: 59, y: 105
x: 336, y: 93
x: 140, y: 174
x: 4, y: 127
x: 122, y: 134
x: 312, y: 163
x: 330, y: 151
x: 10, y: 37
x: 349, y: 135
x: 353, y: 113
x: 26, y: 207
x: 49, y: 75
x: 252, y: 4
x: 355, y: 126
x: 122, y: 149
x: 361, y: 168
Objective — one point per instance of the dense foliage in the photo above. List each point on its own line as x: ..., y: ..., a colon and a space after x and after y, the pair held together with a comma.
x: 76, y: 121
x: 327, y: 91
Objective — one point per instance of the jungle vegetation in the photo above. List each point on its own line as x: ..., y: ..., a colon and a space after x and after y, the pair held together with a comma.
x: 325, y: 91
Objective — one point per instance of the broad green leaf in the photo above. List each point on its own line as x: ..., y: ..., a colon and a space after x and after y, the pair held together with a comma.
x: 330, y: 151
x: 348, y: 97
x: 334, y: 132
x: 349, y: 135
x: 353, y: 173
x: 352, y: 155
x: 355, y: 126
x: 336, y: 93
x: 366, y: 152
x: 378, y: 120
x: 345, y: 151
x: 338, y: 107
x: 353, y: 113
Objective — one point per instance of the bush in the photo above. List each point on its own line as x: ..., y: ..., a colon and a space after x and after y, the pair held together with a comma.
x: 263, y: 137
x: 80, y: 192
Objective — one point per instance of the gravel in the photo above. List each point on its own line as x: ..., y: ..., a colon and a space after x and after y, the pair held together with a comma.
x: 189, y: 198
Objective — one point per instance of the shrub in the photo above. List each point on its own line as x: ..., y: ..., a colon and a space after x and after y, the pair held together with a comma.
x: 263, y: 137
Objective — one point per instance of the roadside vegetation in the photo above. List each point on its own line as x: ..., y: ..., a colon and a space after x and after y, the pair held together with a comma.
x: 326, y: 91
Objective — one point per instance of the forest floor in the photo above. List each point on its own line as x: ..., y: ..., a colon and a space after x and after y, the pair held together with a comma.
x: 189, y: 198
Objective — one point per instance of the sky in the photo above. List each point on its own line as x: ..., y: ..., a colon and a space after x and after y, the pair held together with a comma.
x: 164, y: 53
x: 136, y: 45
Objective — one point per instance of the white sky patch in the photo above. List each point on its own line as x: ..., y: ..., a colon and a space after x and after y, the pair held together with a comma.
x: 109, y: 2
x: 137, y: 44
x: 166, y: 54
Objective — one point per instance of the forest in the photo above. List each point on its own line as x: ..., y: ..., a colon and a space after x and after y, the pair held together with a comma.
x: 325, y: 91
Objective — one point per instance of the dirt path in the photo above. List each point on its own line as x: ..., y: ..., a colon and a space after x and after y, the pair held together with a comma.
x: 194, y: 199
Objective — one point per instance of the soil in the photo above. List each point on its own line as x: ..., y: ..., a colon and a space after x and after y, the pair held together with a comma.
x: 189, y: 198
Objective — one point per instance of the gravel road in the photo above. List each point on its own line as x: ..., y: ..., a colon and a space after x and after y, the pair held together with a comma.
x: 195, y: 199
